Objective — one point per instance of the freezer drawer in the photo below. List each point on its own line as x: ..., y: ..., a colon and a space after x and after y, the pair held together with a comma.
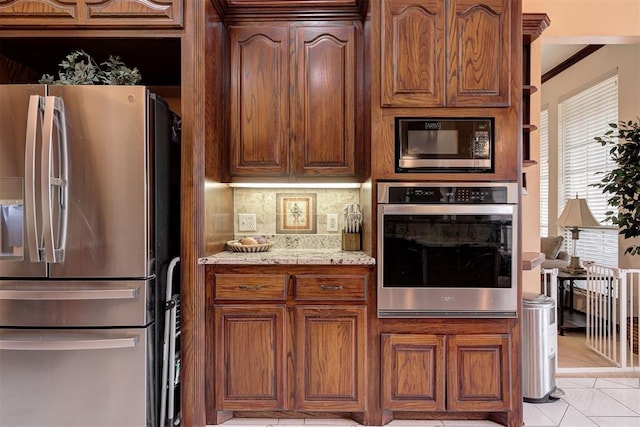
x: 25, y: 303
x: 80, y: 378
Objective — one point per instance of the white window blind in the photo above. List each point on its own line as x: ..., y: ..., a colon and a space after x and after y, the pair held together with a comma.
x: 544, y: 172
x: 582, y: 117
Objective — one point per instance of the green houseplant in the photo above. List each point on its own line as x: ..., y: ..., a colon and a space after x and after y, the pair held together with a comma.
x: 79, y: 68
x: 623, y: 182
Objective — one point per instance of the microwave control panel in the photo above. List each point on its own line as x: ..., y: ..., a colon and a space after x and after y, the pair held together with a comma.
x: 481, y: 144
x: 447, y: 195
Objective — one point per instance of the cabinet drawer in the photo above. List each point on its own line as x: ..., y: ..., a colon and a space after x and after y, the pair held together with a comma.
x: 251, y: 286
x: 330, y: 287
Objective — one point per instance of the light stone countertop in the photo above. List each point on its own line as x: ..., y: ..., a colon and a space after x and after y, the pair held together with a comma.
x: 291, y: 256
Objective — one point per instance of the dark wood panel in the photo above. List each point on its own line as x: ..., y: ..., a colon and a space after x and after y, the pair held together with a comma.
x: 479, y: 53
x: 330, y: 287
x: 238, y: 10
x: 330, y: 352
x: 479, y: 372
x: 413, y: 52
x: 413, y: 372
x: 134, y: 12
x: 29, y: 12
x: 93, y: 13
x: 251, y: 286
x: 13, y: 72
x: 250, y: 360
x: 325, y: 101
x: 533, y: 24
x: 259, y: 103
x: 196, y: 89
x: 218, y: 197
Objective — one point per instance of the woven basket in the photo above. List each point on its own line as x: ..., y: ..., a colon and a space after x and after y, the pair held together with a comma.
x: 235, y: 246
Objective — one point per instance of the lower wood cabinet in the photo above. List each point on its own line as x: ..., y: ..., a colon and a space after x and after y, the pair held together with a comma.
x: 330, y: 353
x: 250, y: 357
x: 307, y: 340
x: 287, y: 342
x: 479, y: 372
x: 465, y: 373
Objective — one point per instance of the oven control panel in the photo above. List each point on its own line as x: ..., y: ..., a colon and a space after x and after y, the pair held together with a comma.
x: 447, y: 195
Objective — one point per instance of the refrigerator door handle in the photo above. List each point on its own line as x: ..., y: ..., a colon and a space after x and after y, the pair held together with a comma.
x: 54, y: 177
x: 85, y: 294
x: 72, y: 343
x: 34, y: 118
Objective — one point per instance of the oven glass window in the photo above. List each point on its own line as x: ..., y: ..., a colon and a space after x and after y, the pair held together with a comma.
x: 447, y: 251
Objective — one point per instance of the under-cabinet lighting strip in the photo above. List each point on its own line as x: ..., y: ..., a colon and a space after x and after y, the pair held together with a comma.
x: 293, y: 185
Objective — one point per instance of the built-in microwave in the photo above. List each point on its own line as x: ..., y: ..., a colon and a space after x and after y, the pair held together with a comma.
x: 435, y: 144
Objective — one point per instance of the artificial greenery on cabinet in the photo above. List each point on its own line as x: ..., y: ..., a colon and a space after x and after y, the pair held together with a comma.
x: 79, y: 68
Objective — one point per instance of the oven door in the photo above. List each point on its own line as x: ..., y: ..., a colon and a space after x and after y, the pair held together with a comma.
x: 447, y: 260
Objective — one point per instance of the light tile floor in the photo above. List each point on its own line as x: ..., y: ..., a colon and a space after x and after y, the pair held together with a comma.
x: 587, y: 402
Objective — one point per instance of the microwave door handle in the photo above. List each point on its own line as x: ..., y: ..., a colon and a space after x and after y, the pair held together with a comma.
x: 34, y: 122
x: 54, y: 237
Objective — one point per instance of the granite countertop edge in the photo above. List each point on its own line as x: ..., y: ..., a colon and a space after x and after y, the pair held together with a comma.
x: 291, y: 256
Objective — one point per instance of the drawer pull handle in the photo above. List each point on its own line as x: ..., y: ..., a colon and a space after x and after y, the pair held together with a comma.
x: 331, y: 288
x: 250, y: 287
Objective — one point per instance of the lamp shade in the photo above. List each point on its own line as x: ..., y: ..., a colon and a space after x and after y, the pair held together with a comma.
x: 576, y: 213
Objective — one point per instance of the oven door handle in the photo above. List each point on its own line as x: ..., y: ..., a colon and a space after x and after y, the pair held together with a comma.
x: 444, y: 209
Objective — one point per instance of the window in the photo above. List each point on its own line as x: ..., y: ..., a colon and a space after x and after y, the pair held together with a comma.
x: 544, y: 173
x: 582, y: 117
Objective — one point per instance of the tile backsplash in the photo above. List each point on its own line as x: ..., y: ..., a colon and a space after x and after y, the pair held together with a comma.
x: 307, y: 228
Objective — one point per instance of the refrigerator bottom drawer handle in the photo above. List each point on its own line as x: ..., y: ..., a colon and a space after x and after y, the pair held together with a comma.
x: 86, y: 294
x: 89, y: 344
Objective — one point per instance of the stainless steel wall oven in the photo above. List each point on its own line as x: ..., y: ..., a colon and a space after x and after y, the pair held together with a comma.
x: 447, y: 249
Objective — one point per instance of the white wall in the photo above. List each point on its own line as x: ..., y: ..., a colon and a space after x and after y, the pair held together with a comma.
x: 624, y: 58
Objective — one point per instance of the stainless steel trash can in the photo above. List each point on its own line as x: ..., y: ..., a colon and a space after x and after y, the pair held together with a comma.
x: 539, y: 349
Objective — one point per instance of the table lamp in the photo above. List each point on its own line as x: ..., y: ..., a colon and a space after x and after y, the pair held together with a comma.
x: 576, y: 214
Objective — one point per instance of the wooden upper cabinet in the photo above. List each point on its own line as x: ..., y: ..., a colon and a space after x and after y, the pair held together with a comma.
x: 480, y: 53
x: 259, y: 102
x: 92, y: 13
x: 325, y: 101
x: 437, y: 53
x: 413, y: 50
x: 293, y: 107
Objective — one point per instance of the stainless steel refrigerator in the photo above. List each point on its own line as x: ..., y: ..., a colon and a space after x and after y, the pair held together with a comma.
x: 89, y: 221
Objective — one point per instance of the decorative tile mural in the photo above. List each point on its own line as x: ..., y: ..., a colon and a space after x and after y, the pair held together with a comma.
x: 296, y: 213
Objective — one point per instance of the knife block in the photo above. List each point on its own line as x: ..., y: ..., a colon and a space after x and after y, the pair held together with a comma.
x: 350, y: 241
